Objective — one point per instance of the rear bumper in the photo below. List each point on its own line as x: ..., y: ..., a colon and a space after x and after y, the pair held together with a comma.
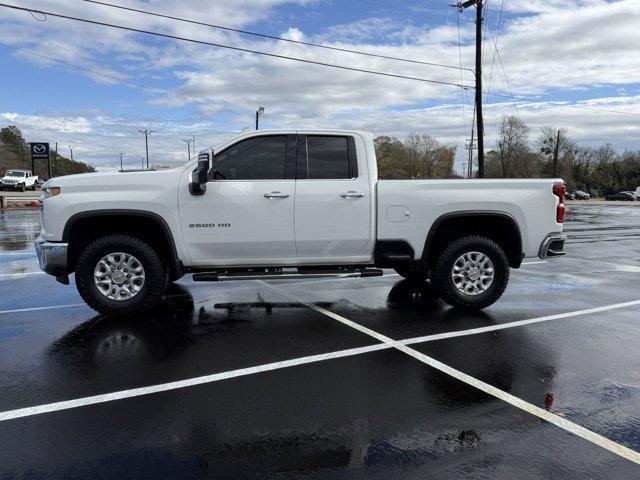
x: 52, y: 257
x: 553, y: 246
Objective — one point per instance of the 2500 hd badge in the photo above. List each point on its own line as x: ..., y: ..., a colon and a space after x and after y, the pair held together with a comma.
x: 209, y: 225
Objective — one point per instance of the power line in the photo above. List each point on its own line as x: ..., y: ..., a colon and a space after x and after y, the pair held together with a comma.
x: 274, y: 37
x: 151, y: 90
x: 497, y: 36
x: 240, y: 49
x: 462, y: 96
x: 409, y: 9
x: 496, y: 53
x: 563, y: 105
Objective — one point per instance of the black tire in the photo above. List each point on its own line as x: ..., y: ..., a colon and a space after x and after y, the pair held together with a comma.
x: 413, y: 274
x: 442, y: 281
x: 22, y: 188
x: 149, y: 296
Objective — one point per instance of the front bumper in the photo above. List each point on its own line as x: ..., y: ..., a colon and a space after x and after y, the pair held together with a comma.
x: 553, y: 246
x: 52, y: 257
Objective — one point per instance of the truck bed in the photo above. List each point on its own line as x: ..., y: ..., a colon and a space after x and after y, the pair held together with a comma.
x: 408, y: 208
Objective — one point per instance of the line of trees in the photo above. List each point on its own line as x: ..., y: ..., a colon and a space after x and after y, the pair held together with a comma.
x: 553, y: 153
x: 418, y: 156
x: 597, y: 170
x: 14, y: 153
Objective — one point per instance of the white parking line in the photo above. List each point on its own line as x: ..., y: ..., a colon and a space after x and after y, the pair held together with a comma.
x: 36, y: 309
x: 563, y: 423
x: 519, y: 323
x: 385, y: 343
x: 164, y: 387
x: 23, y: 274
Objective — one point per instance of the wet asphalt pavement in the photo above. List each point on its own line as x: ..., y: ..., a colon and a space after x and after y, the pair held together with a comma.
x: 265, y: 395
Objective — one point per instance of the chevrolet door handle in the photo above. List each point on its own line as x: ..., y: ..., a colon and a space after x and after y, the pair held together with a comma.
x: 351, y: 194
x: 276, y: 195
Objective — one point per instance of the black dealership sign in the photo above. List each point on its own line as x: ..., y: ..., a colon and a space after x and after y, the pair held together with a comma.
x: 39, y: 150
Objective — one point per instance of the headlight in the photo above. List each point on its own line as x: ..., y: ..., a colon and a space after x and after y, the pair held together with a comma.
x: 51, y: 191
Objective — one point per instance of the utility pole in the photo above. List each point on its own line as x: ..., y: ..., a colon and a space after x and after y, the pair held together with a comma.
x: 71, y: 147
x: 55, y: 159
x: 556, y: 152
x: 146, y: 143
x: 121, y: 155
x: 259, y: 112
x: 462, y: 6
x: 471, y: 146
x: 188, y: 142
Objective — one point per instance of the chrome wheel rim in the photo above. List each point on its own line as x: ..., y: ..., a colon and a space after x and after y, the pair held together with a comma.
x: 472, y: 273
x: 119, y: 276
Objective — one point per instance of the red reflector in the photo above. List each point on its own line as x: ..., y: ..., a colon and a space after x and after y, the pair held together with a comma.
x: 560, y: 213
x: 559, y: 191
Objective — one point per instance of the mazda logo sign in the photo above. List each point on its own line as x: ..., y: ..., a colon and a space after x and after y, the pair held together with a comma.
x: 39, y: 148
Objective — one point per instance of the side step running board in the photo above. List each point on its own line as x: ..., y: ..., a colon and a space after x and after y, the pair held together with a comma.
x: 230, y: 276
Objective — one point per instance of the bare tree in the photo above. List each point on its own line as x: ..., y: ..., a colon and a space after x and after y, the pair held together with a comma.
x: 419, y: 156
x: 512, y: 149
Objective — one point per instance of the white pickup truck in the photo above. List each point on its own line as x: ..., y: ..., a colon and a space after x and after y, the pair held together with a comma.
x: 19, y: 180
x: 285, y: 204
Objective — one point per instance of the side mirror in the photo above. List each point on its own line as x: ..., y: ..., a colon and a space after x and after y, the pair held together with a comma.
x: 200, y: 176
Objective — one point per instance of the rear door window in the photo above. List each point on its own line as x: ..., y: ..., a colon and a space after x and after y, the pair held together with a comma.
x: 327, y: 157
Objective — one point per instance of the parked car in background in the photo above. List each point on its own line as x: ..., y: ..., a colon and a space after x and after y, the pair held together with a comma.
x: 622, y: 196
x: 638, y: 192
x: 581, y: 195
x: 39, y: 182
x: 19, y: 180
x: 577, y: 195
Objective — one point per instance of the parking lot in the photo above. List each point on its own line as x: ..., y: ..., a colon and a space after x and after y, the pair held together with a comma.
x: 330, y: 378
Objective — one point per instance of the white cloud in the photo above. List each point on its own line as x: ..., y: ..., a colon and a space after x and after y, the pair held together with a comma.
x: 557, y: 46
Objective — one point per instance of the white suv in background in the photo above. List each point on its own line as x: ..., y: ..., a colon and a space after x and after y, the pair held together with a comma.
x: 19, y: 180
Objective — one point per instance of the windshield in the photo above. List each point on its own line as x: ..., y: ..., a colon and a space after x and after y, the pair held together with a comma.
x: 15, y: 173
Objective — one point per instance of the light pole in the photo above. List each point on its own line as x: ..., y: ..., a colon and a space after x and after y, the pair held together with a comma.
x: 121, y: 155
x: 71, y: 147
x: 188, y: 142
x: 259, y: 112
x: 146, y: 144
x: 142, y: 160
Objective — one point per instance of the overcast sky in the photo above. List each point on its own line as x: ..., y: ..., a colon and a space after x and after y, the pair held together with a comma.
x: 563, y: 54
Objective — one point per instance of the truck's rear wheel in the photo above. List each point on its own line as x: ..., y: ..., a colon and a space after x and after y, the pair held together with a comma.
x: 119, y: 274
x: 471, y: 272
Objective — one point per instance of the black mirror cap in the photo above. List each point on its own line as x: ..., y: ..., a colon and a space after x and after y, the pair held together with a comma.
x: 198, y: 185
x: 202, y: 172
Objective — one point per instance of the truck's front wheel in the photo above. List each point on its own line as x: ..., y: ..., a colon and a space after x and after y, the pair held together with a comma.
x: 22, y: 187
x: 471, y: 272
x: 119, y: 274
